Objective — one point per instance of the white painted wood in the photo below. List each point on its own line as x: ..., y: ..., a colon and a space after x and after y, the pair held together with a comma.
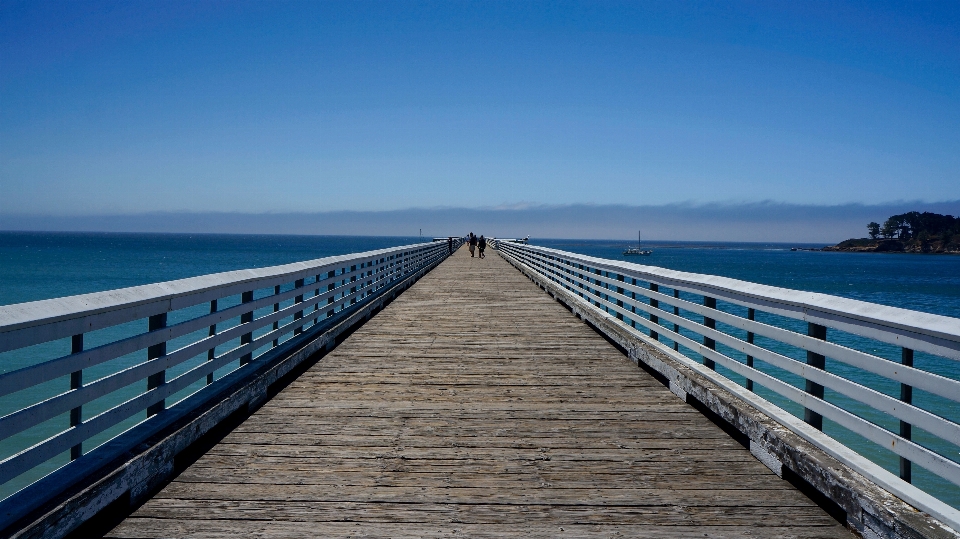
x: 17, y: 380
x: 870, y: 470
x: 49, y: 448
x: 919, y: 379
x: 939, y: 335
x: 63, y: 441
x: 678, y: 391
x: 919, y: 417
x: 936, y: 425
x: 62, y: 317
x: 767, y: 458
x: 27, y: 417
x: 356, y: 278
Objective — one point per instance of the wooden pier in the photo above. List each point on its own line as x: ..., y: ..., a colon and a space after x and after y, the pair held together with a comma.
x: 476, y: 405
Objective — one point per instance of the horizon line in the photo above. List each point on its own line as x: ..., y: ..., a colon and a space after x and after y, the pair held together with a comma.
x: 662, y: 243
x: 503, y: 207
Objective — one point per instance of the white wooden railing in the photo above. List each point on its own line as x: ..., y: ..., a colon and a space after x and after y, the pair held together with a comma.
x: 165, y: 341
x: 747, y: 328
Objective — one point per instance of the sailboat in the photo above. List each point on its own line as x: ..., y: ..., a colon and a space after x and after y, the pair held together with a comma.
x: 631, y: 251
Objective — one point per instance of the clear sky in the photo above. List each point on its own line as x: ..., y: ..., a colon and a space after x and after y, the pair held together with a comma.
x: 134, y: 107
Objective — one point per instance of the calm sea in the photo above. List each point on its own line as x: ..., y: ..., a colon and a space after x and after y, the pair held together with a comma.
x: 42, y: 265
x: 929, y: 283
x: 36, y: 266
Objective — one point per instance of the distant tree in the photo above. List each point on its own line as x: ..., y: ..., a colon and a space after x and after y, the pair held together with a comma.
x: 906, y: 226
x: 934, y: 223
x: 899, y: 226
x: 911, y: 224
x: 890, y: 228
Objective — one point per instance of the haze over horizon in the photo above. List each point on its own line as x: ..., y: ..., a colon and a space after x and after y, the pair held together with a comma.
x: 755, y: 222
x: 115, y: 113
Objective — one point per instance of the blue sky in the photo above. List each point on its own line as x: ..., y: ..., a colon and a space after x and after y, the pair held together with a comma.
x: 134, y: 107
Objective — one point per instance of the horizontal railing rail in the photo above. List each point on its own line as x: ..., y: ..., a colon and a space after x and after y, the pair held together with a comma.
x: 54, y: 401
x: 722, y: 335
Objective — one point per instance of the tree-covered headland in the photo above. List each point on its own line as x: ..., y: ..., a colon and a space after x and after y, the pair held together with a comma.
x: 912, y: 232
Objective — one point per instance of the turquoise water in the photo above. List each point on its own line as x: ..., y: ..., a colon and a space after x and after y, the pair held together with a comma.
x: 929, y: 283
x: 36, y: 266
x: 42, y: 265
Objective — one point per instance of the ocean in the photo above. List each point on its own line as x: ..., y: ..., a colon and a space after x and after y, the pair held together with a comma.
x: 42, y: 265
x: 36, y: 266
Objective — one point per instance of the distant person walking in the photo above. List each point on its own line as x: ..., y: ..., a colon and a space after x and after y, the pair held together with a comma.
x: 481, y: 245
x: 473, y: 243
x: 450, y: 245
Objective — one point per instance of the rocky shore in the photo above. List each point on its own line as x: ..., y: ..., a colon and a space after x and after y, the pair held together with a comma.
x: 867, y: 245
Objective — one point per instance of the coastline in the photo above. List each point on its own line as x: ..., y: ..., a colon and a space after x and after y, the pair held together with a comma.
x: 914, y: 246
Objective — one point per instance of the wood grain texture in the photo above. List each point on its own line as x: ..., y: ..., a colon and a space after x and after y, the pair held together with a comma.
x: 475, y: 405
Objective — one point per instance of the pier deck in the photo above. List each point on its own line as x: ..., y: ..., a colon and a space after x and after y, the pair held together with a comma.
x: 475, y: 405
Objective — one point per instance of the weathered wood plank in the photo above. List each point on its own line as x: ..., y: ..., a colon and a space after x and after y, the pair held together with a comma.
x: 447, y: 526
x: 482, y: 513
x: 475, y: 405
x: 454, y: 477
x: 238, y: 455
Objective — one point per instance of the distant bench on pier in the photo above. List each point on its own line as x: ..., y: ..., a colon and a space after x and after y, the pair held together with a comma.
x: 408, y: 392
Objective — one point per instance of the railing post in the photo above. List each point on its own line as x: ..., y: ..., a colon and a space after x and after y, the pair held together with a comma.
x: 212, y: 353
x: 76, y: 382
x: 316, y: 293
x: 906, y: 395
x: 246, y: 318
x: 596, y: 291
x: 330, y: 287
x: 653, y: 318
x: 155, y: 322
x: 676, y: 327
x: 751, y: 314
x: 353, y: 279
x: 299, y: 314
x: 276, y: 309
x: 710, y: 303
x: 619, y: 293
x: 817, y: 362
